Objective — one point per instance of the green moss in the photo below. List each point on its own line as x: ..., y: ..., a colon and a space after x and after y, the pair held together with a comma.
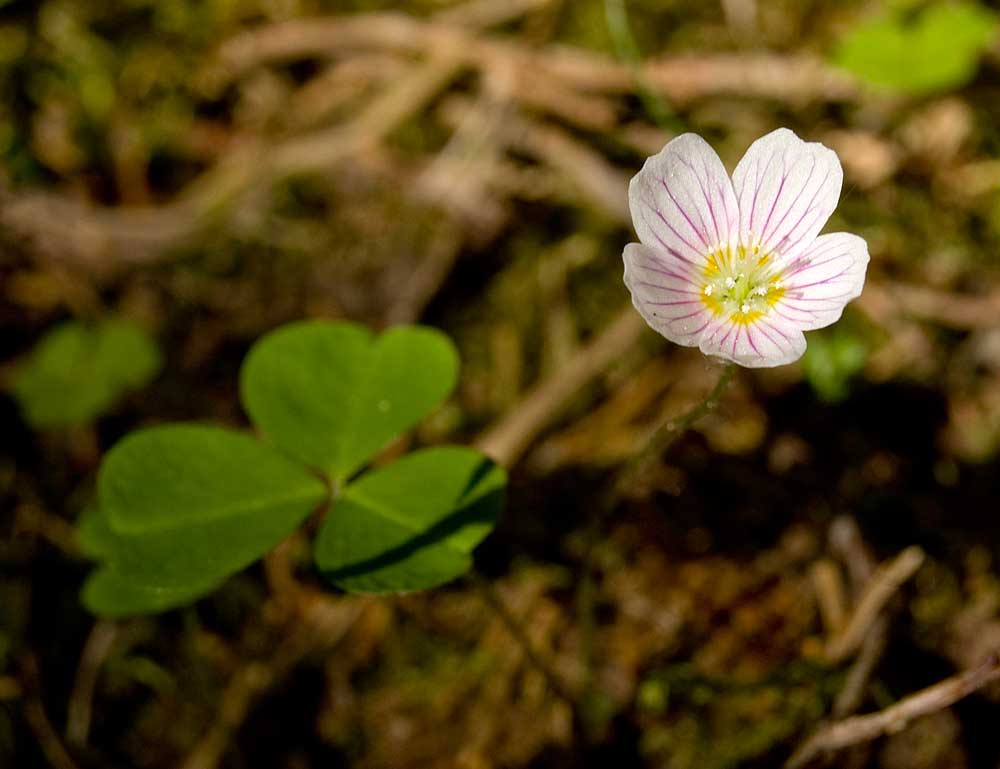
x: 701, y: 722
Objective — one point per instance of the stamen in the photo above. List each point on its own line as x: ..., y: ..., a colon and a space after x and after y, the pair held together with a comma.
x: 742, y: 288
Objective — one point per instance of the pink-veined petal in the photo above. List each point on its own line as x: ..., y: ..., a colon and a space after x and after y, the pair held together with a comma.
x: 822, y: 280
x: 664, y: 294
x: 682, y: 201
x: 787, y: 189
x: 763, y: 343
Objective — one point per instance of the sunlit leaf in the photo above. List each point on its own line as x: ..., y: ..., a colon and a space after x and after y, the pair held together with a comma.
x: 333, y: 395
x: 188, y: 505
x: 413, y: 524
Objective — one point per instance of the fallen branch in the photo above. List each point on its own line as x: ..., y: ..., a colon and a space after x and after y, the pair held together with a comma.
x: 682, y: 78
x: 860, y: 729
x: 570, y: 84
x: 481, y: 14
x: 882, y: 587
x: 846, y: 541
x: 946, y: 308
x: 852, y: 693
x: 848, y: 545
x: 828, y: 585
x: 594, y: 179
x: 506, y: 441
x: 99, y: 645
x: 71, y: 231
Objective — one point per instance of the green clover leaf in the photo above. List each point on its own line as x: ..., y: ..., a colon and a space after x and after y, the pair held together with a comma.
x: 412, y: 524
x: 76, y: 372
x: 333, y: 396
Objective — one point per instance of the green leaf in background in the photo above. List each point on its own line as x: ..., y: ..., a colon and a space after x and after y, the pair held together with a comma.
x: 935, y: 50
x: 76, y: 372
x: 832, y: 358
x: 185, y: 506
x: 332, y: 395
x: 902, y: 5
x: 412, y: 524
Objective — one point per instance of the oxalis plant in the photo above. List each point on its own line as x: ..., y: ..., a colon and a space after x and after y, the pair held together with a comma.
x: 735, y: 267
x: 182, y: 507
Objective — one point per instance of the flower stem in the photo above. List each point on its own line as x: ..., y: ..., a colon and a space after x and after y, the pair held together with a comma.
x: 584, y: 701
x: 661, y: 440
x: 669, y: 431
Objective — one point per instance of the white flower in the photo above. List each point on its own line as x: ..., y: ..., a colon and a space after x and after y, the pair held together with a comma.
x: 738, y: 268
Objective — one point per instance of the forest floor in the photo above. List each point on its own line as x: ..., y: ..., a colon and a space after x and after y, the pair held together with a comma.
x: 818, y: 546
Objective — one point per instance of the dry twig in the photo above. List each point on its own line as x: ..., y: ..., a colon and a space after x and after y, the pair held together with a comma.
x: 828, y: 586
x: 847, y: 544
x: 859, y: 729
x: 568, y: 83
x: 852, y: 693
x: 883, y: 586
x: 593, y: 178
x: 32, y: 519
x: 71, y: 231
x: 507, y: 440
x: 846, y: 541
x: 482, y: 14
x: 792, y: 78
x: 99, y: 645
x: 948, y: 309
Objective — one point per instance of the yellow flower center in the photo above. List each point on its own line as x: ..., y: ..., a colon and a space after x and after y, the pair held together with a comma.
x: 741, y: 283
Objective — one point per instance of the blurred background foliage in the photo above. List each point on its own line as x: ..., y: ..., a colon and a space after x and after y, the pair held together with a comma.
x: 179, y: 177
x: 76, y: 372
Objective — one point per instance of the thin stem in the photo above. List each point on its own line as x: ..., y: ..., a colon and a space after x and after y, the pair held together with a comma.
x: 670, y: 430
x: 661, y: 440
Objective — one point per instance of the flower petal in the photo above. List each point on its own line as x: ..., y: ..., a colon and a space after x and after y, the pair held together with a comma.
x: 822, y: 280
x: 787, y: 190
x: 683, y: 203
x: 664, y: 294
x: 764, y: 343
